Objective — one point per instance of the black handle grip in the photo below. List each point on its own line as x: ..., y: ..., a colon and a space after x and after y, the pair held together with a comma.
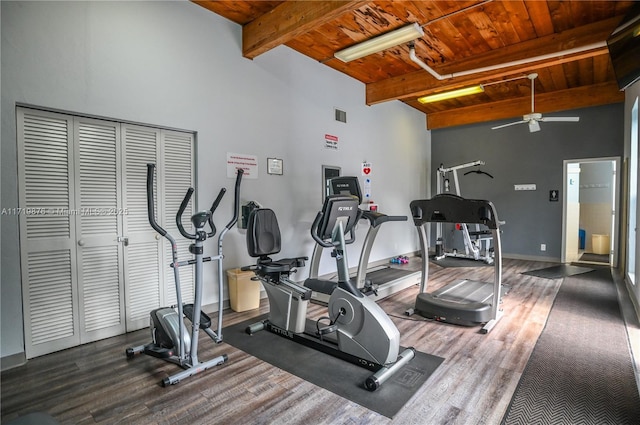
x: 352, y: 231
x: 183, y: 206
x: 151, y: 202
x: 314, y: 231
x: 212, y: 209
x: 236, y: 199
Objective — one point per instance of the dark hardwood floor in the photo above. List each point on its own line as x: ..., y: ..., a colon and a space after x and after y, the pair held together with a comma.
x: 95, y: 383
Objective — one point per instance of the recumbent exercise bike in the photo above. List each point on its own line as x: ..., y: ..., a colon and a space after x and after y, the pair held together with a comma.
x: 358, y: 330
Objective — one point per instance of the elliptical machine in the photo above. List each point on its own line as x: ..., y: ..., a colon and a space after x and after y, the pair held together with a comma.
x: 358, y: 330
x: 170, y: 339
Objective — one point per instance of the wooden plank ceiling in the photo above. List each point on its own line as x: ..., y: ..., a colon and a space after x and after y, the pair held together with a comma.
x: 459, y: 36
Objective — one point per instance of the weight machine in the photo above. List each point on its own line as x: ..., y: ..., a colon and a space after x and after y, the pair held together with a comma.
x: 477, y: 242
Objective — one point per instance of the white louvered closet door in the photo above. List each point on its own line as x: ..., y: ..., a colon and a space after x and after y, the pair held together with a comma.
x: 177, y: 149
x: 99, y: 229
x: 92, y: 266
x: 143, y: 262
x: 47, y: 231
x: 150, y: 281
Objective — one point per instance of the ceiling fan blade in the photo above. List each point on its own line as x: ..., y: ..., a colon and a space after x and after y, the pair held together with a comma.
x: 560, y: 119
x: 534, y: 126
x: 508, y: 125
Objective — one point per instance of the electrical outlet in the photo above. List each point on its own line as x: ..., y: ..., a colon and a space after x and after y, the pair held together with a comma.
x: 543, y: 247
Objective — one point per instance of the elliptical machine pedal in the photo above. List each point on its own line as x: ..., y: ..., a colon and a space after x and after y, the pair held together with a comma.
x: 205, y: 320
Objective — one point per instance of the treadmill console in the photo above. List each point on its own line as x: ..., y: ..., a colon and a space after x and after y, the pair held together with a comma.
x: 346, y: 185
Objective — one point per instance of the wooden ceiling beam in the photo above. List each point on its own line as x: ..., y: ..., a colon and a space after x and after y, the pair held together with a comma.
x: 420, y: 83
x: 289, y: 20
x: 561, y: 100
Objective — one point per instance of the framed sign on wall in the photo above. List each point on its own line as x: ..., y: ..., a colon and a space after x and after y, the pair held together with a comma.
x: 274, y: 166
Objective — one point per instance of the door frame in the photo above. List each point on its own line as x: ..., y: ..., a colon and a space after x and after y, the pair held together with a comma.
x: 613, y: 240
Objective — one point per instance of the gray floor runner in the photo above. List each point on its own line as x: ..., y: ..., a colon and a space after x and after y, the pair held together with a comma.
x: 558, y: 272
x: 580, y: 371
x: 330, y: 373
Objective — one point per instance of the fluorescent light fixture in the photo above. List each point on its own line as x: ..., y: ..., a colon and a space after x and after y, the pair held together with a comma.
x: 451, y: 94
x: 381, y: 42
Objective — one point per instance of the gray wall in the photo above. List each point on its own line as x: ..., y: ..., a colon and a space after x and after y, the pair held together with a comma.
x: 513, y: 155
x: 175, y: 64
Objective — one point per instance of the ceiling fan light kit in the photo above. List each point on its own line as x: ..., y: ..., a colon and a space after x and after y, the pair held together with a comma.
x: 466, y: 91
x: 382, y: 42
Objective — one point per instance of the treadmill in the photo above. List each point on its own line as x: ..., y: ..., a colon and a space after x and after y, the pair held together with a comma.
x: 463, y: 302
x: 376, y: 282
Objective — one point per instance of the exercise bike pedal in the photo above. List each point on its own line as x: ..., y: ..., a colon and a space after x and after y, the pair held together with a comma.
x: 205, y: 321
x: 325, y: 330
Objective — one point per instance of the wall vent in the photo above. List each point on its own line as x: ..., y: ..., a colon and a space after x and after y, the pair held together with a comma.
x: 341, y: 116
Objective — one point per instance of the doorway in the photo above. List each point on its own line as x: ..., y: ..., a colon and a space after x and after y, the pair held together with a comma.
x: 590, y: 213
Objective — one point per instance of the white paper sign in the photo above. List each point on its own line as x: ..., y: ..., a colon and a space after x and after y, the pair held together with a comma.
x: 331, y: 142
x: 249, y: 163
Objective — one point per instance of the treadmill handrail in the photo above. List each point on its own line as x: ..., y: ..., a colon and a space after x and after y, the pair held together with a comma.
x: 449, y: 208
x: 376, y: 218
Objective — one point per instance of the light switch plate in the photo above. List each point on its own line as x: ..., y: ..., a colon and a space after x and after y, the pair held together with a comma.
x: 524, y: 186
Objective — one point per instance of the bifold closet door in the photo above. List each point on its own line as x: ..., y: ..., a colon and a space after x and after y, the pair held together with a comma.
x: 178, y: 176
x: 47, y: 231
x: 100, y: 240
x: 92, y: 267
x: 150, y: 281
x: 69, y: 227
x: 143, y: 260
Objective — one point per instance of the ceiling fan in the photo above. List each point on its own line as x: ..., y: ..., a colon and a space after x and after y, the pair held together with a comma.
x: 534, y: 118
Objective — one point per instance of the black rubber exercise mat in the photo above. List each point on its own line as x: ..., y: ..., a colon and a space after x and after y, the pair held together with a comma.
x: 580, y: 371
x: 335, y: 375
x: 558, y: 272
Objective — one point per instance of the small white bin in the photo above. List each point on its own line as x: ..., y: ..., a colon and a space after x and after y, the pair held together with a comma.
x: 600, y: 244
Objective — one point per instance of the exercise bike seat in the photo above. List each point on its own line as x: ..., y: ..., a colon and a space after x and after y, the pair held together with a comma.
x: 263, y: 239
x: 283, y: 265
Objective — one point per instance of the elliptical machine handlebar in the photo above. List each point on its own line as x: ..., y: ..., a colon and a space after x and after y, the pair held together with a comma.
x: 151, y: 210
x: 183, y: 206
x: 212, y: 209
x: 236, y: 206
